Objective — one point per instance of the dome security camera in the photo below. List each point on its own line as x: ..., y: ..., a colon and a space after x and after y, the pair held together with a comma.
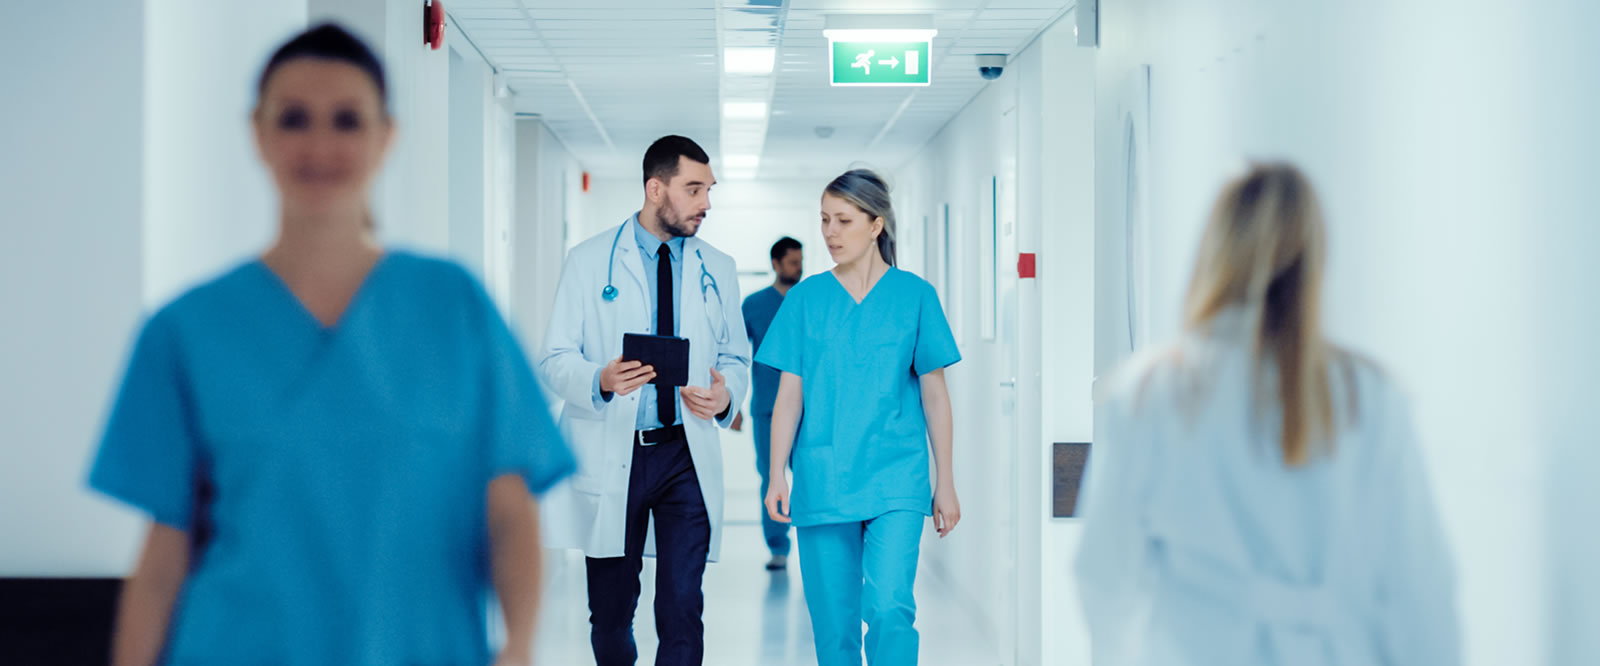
x: 991, y: 65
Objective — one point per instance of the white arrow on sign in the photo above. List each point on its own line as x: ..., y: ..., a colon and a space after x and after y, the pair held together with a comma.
x: 892, y: 62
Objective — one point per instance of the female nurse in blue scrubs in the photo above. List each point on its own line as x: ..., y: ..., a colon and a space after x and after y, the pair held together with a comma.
x: 336, y: 443
x: 863, y: 350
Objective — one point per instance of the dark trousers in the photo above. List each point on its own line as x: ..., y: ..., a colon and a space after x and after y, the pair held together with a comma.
x: 662, y: 483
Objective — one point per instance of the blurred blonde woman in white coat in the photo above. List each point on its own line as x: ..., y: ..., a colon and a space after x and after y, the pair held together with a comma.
x: 1258, y: 496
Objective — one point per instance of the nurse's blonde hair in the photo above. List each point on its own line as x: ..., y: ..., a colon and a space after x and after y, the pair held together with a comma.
x: 868, y: 192
x: 1263, y: 251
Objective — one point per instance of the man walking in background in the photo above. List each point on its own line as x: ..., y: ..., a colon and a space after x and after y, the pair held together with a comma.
x: 759, y: 309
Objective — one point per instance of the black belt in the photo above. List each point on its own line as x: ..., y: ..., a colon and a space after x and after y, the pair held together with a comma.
x: 672, y: 433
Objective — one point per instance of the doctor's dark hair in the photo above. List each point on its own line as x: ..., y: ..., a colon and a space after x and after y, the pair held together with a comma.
x: 782, y: 248
x: 327, y: 41
x: 866, y: 190
x: 661, y: 159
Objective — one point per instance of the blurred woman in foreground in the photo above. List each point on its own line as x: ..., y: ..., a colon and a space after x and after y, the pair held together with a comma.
x: 1258, y: 495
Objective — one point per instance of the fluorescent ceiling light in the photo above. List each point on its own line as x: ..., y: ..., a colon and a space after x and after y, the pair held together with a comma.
x: 748, y: 60
x: 742, y: 134
x: 741, y: 161
x: 880, y: 34
x: 744, y: 109
x: 740, y: 174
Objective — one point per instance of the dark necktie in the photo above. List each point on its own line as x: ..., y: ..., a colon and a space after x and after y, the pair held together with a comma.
x: 666, y: 404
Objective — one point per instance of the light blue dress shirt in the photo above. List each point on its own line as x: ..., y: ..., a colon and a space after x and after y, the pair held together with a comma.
x: 648, y: 419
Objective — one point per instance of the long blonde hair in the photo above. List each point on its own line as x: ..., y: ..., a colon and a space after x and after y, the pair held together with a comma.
x: 1263, y: 250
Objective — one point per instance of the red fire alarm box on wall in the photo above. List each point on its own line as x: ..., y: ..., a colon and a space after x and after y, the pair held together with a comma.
x: 1026, y: 265
x: 433, y: 24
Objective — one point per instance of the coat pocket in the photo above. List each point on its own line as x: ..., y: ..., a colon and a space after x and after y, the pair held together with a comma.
x: 585, y: 435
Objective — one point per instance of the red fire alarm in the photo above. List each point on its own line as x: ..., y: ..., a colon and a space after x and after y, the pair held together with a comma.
x: 433, y: 24
x: 585, y: 181
x: 1025, y: 265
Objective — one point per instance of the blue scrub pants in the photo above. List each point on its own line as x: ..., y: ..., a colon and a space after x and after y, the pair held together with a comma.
x: 866, y: 570
x: 777, y: 533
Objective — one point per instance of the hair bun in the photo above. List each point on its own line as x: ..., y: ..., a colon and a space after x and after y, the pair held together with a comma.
x: 870, y: 176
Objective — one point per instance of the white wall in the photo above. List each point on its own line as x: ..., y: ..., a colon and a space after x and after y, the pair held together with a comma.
x: 608, y: 202
x: 1035, y: 128
x: 411, y: 199
x: 501, y: 186
x: 71, y: 196
x: 470, y: 102
x: 1556, y: 206
x: 548, y: 184
x: 1453, y: 147
x: 1066, y: 173
x: 209, y: 203
x: 957, y: 168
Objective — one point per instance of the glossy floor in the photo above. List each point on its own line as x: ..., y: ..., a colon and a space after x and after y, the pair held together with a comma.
x: 752, y: 617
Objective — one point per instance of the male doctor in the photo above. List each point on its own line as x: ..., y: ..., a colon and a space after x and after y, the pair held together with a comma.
x: 649, y: 475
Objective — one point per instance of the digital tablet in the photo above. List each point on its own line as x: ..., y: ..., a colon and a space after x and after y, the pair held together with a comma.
x: 669, y: 356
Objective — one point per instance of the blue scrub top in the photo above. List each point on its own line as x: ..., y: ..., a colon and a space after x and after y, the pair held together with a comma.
x: 342, y: 470
x: 862, y: 447
x: 759, y: 309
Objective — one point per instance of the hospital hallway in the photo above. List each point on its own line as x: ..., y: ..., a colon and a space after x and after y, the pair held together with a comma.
x: 753, y: 617
x: 1059, y: 183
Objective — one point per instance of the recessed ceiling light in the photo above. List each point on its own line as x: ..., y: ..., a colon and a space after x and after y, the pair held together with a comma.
x: 879, y: 34
x: 748, y: 60
x: 741, y: 161
x: 744, y: 109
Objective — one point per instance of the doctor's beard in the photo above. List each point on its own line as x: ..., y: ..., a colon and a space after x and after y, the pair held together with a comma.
x: 667, y: 216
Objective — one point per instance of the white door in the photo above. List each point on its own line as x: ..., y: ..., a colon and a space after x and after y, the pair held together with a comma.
x: 1001, y: 330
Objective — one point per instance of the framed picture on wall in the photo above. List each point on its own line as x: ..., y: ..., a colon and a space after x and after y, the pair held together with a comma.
x: 988, y: 258
x: 947, y: 270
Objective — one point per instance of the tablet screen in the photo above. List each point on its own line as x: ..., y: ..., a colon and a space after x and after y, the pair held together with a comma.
x: 669, y: 356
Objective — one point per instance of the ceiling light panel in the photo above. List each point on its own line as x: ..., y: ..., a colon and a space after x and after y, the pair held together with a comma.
x: 748, y: 60
x: 744, y: 109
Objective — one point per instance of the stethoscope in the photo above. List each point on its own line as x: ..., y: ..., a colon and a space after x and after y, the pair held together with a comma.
x: 710, y: 293
x: 610, y: 292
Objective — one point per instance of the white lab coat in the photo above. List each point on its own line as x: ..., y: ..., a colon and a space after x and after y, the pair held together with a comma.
x: 1200, y: 547
x: 587, y: 511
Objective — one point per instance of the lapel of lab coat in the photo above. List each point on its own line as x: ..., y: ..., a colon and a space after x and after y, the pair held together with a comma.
x: 633, y: 264
x: 692, y: 325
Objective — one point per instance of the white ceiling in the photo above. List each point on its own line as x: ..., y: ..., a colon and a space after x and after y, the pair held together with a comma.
x: 610, y: 76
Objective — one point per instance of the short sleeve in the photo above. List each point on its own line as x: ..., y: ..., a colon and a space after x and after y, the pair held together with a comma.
x: 149, y: 454
x: 936, y: 346
x: 522, y: 437
x: 783, y: 345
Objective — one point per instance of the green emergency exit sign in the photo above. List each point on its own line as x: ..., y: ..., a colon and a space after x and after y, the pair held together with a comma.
x: 880, y: 63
